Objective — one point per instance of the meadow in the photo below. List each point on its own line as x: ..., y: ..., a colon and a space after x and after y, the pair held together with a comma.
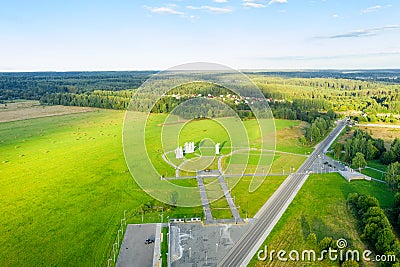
x: 320, y: 208
x: 29, y: 109
x: 386, y: 133
x: 65, y: 187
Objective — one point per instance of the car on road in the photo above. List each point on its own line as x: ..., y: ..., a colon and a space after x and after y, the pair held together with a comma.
x: 149, y: 241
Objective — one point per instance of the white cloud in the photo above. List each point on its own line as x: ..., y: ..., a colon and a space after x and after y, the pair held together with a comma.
x: 335, y: 16
x: 220, y: 1
x: 373, y: 9
x: 361, y: 33
x: 254, y: 5
x: 164, y: 10
x: 277, y: 2
x: 212, y: 9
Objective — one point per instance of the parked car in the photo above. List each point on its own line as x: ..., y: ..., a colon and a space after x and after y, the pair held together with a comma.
x: 149, y: 241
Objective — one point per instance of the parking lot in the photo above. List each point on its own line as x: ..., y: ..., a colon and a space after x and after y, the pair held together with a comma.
x: 134, y: 251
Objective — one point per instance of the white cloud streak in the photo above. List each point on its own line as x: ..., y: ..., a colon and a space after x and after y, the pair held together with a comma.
x: 253, y: 5
x: 373, y: 9
x: 277, y: 2
x: 164, y: 10
x: 212, y: 9
x: 361, y: 33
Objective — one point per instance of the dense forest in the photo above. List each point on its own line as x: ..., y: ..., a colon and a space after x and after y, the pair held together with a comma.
x: 365, y: 95
x: 34, y: 85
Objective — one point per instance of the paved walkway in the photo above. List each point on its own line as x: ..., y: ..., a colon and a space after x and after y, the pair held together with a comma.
x: 157, y: 246
x: 229, y: 199
x: 204, y: 200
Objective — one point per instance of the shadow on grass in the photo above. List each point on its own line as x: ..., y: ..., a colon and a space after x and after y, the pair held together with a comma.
x: 305, y: 227
x: 369, y: 188
x: 222, y: 145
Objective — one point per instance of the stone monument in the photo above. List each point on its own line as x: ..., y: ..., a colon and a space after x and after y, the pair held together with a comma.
x: 179, y: 153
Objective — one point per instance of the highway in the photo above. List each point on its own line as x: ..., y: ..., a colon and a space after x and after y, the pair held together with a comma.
x: 247, y: 246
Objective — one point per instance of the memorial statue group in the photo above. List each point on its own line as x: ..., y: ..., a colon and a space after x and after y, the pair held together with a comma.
x: 189, y: 148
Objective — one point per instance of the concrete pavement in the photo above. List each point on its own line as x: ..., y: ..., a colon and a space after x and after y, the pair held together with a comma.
x: 229, y: 199
x: 204, y: 200
x: 134, y: 251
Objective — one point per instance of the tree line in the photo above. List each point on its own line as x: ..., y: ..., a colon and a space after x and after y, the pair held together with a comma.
x: 374, y: 226
x: 373, y: 99
x: 359, y: 148
x: 99, y: 99
x: 35, y: 85
x: 318, y: 129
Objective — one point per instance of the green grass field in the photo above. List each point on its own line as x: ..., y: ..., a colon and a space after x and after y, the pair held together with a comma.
x: 376, y: 164
x: 65, y: 186
x: 320, y: 208
x: 164, y: 247
x: 373, y: 173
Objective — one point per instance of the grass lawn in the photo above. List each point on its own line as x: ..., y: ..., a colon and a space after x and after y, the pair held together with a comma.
x: 376, y: 164
x: 164, y: 247
x: 287, y: 136
x: 373, y: 173
x: 320, y: 208
x: 251, y: 202
x: 65, y: 186
x: 248, y: 203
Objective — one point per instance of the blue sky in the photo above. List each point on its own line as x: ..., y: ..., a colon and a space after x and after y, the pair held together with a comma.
x: 244, y: 34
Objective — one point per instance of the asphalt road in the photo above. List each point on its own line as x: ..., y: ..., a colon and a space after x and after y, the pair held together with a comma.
x: 273, y: 209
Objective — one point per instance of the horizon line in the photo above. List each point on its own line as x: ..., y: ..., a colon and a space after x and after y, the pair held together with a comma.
x: 241, y: 70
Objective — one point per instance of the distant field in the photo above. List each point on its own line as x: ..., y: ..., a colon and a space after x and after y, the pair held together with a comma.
x: 32, y: 109
x: 320, y: 208
x: 387, y: 134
